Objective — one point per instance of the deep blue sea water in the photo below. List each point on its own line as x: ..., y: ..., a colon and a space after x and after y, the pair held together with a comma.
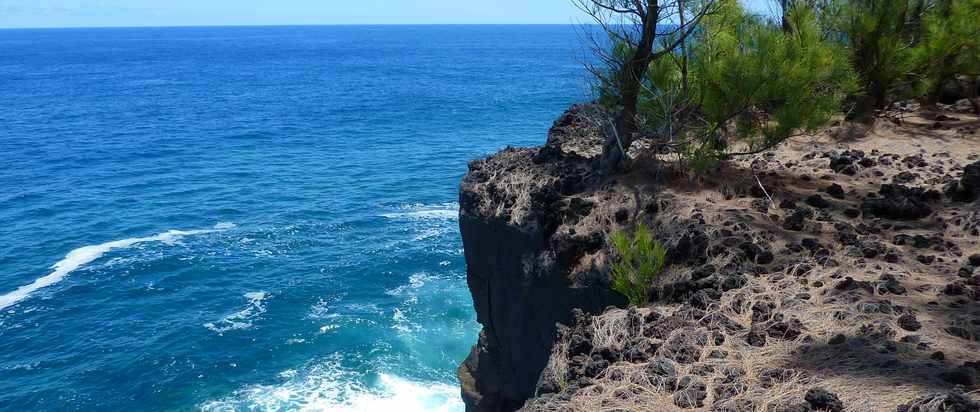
x: 251, y: 218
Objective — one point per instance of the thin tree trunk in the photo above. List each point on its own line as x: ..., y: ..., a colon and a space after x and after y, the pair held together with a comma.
x: 916, y: 21
x: 634, y: 70
x: 784, y: 4
x: 944, y: 76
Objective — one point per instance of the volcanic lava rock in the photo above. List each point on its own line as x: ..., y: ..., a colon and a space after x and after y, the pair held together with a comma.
x: 692, y: 393
x: 960, y: 376
x: 835, y: 190
x: 795, y: 221
x: 822, y: 400
x: 846, y: 162
x: 970, y: 182
x: 787, y: 330
x: 898, y: 202
x: 817, y: 201
x: 684, y: 346
x: 968, y: 187
x: 662, y: 372
x: 943, y: 402
x: 909, y: 322
x: 756, y: 337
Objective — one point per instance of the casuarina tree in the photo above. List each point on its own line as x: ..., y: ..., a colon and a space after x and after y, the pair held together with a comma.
x: 638, y: 33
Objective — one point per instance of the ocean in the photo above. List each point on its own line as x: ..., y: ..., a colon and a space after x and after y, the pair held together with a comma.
x: 252, y: 218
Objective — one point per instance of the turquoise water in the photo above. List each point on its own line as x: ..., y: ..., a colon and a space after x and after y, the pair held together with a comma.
x: 251, y: 218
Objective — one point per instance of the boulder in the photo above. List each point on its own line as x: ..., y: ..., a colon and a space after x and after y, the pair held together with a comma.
x: 899, y: 202
x: 795, y: 221
x: 691, y: 394
x: 835, y: 190
x: 822, y: 400
x: 662, y: 372
x: 968, y: 188
x: 970, y: 182
x: 909, y: 322
x: 943, y: 402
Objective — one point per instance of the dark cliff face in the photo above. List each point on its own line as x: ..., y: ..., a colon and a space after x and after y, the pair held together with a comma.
x: 529, y: 256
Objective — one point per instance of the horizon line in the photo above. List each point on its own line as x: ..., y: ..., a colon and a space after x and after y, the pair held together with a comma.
x: 280, y: 25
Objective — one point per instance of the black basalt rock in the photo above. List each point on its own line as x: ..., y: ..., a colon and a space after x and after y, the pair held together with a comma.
x: 513, y: 266
x: 968, y: 188
x: 836, y: 191
x: 817, y: 201
x: 692, y: 393
x: 898, y: 202
x: 974, y: 260
x: 684, y: 346
x: 909, y: 322
x: 787, y: 330
x: 823, y: 400
x: 970, y: 182
x: 795, y: 222
x: 962, y: 375
x: 661, y: 372
x: 943, y: 402
x: 756, y: 337
x: 846, y: 162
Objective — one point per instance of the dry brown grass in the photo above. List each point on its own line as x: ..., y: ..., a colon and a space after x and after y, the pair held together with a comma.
x: 852, y: 371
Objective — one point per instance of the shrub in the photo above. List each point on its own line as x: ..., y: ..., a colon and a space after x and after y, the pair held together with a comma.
x: 949, y: 45
x: 749, y: 82
x: 642, y: 259
x: 879, y: 36
x: 737, y: 84
x: 770, y: 83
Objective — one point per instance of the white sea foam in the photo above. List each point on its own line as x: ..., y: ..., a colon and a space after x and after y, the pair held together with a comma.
x: 444, y: 214
x: 241, y: 319
x: 324, y: 308
x: 403, y: 395
x: 445, y: 211
x: 87, y: 254
x: 428, y: 221
x: 415, y: 281
x: 329, y: 388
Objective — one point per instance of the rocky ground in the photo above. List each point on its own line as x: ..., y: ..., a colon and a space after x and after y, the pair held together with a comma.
x: 838, y: 272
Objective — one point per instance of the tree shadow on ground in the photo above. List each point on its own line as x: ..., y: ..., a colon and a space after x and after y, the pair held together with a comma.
x: 902, y: 365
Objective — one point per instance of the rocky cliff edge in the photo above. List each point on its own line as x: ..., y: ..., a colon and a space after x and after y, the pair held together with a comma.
x: 838, y: 272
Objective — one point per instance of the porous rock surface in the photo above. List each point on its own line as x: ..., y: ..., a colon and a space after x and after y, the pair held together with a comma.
x: 837, y: 273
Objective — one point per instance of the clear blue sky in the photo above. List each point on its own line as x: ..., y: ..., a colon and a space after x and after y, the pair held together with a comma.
x: 87, y: 13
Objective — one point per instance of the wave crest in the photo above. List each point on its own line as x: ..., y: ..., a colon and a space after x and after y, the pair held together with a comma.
x: 445, y: 211
x: 88, y: 254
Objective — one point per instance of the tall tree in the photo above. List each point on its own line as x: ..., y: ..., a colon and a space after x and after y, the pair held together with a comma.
x: 880, y: 37
x: 948, y: 49
x: 634, y: 28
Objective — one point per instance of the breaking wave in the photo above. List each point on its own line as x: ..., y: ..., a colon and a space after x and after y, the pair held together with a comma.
x: 87, y: 254
x: 331, y: 388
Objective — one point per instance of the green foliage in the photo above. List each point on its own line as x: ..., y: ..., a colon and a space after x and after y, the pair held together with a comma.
x: 759, y: 84
x: 905, y: 48
x: 642, y: 259
x: 613, y: 79
x: 702, y: 158
x: 950, y: 44
x: 749, y: 81
x: 744, y: 84
x: 879, y: 37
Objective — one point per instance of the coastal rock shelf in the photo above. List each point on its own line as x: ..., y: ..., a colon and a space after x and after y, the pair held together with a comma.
x: 525, y: 274
x: 838, y: 272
